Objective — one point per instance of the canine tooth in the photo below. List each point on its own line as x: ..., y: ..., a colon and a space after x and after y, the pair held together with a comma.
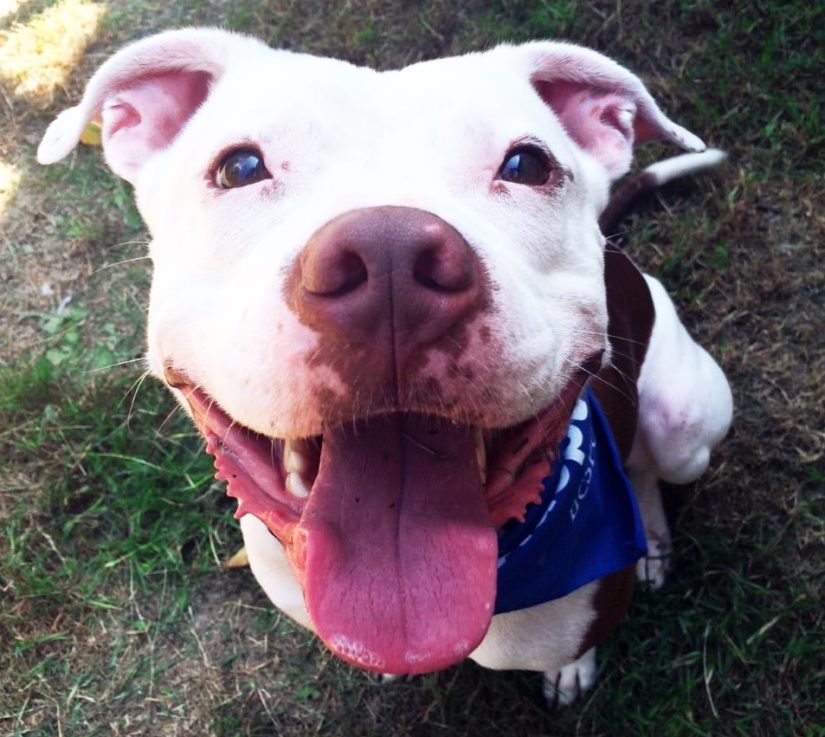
x: 481, y: 455
x: 296, y: 486
x: 294, y: 460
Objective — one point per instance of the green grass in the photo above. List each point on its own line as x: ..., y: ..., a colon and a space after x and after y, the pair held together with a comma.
x: 114, y: 494
x: 117, y: 616
x: 117, y: 522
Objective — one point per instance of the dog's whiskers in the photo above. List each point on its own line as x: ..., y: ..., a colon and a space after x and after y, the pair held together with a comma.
x: 166, y: 419
x: 611, y: 336
x: 127, y: 362
x: 134, y: 389
x: 138, y: 242
x: 120, y: 263
x: 579, y: 367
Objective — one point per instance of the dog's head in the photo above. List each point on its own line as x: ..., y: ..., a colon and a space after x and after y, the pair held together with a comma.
x: 378, y: 294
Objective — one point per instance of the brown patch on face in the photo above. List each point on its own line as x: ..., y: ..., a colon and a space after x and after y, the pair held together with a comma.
x: 393, y: 295
x: 488, y: 396
x: 173, y: 376
x: 271, y: 190
x: 455, y: 371
x: 429, y: 392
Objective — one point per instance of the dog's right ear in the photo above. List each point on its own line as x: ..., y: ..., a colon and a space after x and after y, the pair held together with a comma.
x: 605, y: 108
x: 145, y: 94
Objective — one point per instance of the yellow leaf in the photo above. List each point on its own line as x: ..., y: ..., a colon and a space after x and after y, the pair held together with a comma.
x: 239, y: 560
x: 91, y: 136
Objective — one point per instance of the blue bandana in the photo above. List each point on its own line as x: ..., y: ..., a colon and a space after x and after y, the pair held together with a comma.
x: 586, y: 527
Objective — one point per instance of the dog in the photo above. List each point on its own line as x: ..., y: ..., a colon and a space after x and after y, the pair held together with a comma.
x: 443, y: 403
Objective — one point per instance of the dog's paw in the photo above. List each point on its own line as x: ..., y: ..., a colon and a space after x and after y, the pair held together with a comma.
x: 562, y: 687
x: 652, y: 569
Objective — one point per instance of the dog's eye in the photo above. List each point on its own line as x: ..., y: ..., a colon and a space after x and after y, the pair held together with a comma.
x: 241, y: 167
x: 526, y: 165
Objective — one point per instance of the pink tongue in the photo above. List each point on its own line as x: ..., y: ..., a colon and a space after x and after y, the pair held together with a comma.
x: 396, y: 545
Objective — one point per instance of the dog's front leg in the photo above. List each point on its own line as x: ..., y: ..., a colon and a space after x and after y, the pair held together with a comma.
x: 564, y: 686
x: 652, y: 568
x: 685, y: 409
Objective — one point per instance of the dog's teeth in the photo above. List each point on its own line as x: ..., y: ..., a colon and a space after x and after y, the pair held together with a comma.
x: 294, y: 460
x: 481, y: 455
x: 296, y: 486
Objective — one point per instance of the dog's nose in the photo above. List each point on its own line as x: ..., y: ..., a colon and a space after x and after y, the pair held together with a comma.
x: 382, y: 268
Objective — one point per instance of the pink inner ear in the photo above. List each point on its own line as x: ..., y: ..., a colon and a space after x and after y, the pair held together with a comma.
x: 146, y: 115
x: 601, y: 122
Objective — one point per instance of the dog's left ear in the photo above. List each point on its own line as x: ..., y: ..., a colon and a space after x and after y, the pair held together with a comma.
x: 145, y: 94
x: 605, y: 108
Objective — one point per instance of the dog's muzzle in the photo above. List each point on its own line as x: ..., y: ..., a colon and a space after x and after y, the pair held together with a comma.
x: 384, y: 269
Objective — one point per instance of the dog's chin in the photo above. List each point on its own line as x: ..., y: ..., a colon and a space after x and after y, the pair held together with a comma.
x: 389, y: 521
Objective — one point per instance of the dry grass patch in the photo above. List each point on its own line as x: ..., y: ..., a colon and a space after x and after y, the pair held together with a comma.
x: 36, y: 57
x: 9, y: 7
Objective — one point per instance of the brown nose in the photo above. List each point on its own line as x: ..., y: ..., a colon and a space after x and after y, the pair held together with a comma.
x: 383, y: 269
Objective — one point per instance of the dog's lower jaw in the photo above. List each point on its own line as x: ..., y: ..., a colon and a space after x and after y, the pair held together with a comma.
x: 391, y: 532
x: 393, y: 547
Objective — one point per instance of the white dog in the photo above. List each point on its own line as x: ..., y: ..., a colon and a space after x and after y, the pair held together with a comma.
x: 386, y: 302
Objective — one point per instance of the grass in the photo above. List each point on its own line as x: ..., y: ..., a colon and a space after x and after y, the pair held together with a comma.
x: 36, y: 57
x: 108, y: 529
x: 117, y: 616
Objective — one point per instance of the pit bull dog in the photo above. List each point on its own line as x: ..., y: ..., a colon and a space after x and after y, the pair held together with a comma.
x: 387, y: 304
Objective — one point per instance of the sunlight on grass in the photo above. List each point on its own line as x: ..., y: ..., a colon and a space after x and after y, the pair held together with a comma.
x: 9, y: 182
x: 7, y: 7
x: 36, y: 57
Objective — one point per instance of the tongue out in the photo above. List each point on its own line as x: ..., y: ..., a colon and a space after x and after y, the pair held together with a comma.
x: 395, y: 546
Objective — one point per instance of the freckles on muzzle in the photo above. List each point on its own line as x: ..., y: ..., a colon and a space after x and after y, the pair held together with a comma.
x: 387, y: 290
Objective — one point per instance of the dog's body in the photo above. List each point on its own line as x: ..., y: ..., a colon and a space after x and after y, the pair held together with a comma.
x: 381, y: 296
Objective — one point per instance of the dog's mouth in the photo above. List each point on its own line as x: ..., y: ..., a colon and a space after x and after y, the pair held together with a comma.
x: 389, y: 521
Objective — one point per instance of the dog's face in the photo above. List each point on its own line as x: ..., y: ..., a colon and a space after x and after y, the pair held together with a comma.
x: 378, y: 294
x: 434, y: 142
